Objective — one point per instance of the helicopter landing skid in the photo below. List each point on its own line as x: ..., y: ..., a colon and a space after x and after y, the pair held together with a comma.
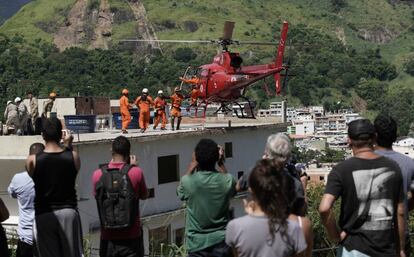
x: 248, y: 115
x: 224, y: 108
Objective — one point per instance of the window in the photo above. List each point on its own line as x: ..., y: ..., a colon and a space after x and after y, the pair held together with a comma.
x: 168, y: 169
x: 228, y: 149
x: 157, y: 237
x: 151, y: 193
x: 179, y: 236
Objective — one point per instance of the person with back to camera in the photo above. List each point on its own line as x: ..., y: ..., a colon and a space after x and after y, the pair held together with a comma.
x: 278, y: 150
x: 22, y: 188
x: 57, y: 229
x: 207, y: 193
x: 386, y: 129
x: 120, y: 220
x: 266, y: 230
x: 371, y: 222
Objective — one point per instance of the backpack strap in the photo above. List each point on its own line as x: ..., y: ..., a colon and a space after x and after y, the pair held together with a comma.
x: 104, y: 168
x: 126, y: 168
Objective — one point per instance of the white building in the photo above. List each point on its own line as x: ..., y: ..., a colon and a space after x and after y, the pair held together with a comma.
x: 405, y: 141
x: 304, y: 127
x: 163, y: 156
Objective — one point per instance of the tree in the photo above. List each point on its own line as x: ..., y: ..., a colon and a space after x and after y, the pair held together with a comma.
x: 409, y: 67
x: 373, y: 92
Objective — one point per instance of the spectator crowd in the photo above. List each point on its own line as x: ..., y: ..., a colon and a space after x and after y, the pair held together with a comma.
x: 374, y: 187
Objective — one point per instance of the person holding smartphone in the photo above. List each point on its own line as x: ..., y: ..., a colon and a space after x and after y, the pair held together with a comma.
x: 207, y: 190
x: 57, y: 228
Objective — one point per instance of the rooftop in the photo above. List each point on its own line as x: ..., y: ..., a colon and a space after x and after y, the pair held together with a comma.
x: 17, y: 145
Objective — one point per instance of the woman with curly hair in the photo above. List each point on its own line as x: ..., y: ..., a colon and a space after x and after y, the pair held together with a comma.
x: 266, y: 230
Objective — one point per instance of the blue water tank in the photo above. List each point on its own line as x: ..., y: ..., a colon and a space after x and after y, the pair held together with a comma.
x: 117, y: 119
x: 80, y: 123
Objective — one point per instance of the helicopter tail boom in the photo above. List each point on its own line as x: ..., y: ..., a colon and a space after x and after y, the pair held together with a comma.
x: 279, y: 57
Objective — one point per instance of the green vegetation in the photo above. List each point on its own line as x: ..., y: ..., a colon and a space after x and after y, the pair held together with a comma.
x: 344, y: 53
x: 38, y: 19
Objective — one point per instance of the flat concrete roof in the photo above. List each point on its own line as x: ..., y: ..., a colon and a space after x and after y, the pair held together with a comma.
x: 16, y: 147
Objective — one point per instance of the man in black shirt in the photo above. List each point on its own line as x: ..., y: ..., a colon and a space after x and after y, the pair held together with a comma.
x: 371, y: 222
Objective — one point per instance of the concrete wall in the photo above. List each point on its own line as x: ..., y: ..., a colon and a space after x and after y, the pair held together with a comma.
x: 248, y: 144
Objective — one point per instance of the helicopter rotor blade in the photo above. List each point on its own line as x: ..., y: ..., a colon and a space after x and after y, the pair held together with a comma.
x: 228, y: 30
x: 255, y: 43
x: 170, y: 41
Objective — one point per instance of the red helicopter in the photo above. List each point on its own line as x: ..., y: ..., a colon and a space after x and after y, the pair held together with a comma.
x: 225, y: 79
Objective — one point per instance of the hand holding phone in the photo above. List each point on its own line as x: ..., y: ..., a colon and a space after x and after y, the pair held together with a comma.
x: 67, y: 138
x: 221, y: 155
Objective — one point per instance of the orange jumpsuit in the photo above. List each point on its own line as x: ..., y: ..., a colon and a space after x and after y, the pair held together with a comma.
x: 144, y: 110
x: 176, y: 100
x: 125, y: 115
x: 194, y: 80
x: 195, y: 94
x: 159, y: 105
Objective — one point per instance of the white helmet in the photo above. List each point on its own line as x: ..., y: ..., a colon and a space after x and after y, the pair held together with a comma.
x: 145, y: 91
x: 160, y: 92
x: 9, y: 102
x: 17, y: 99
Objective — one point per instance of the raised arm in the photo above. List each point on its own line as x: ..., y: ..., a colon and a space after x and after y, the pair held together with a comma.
x: 31, y: 164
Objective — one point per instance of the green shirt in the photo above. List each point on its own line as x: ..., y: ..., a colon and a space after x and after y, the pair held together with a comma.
x: 208, y: 198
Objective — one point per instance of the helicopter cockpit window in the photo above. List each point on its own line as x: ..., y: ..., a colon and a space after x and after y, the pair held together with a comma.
x: 236, y: 61
x: 204, y: 73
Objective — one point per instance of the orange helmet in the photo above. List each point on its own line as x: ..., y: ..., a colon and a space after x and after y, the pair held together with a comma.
x: 52, y: 95
x: 125, y: 91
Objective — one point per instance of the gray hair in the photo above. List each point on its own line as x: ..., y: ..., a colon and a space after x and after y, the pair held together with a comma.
x: 278, y: 147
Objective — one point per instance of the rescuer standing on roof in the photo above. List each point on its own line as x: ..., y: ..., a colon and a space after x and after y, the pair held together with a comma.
x: 124, y: 108
x: 34, y: 114
x: 159, y: 104
x: 47, y: 108
x: 23, y: 116
x: 12, y: 116
x: 176, y: 100
x: 144, y: 102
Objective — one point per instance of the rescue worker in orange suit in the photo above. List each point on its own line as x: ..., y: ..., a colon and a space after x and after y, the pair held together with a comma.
x: 144, y: 102
x: 124, y: 108
x: 195, y: 90
x: 159, y: 104
x: 176, y: 100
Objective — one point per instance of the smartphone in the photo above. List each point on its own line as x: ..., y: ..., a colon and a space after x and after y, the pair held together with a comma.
x: 64, y: 133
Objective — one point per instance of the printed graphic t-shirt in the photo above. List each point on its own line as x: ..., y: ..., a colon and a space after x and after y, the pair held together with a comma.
x: 370, y: 186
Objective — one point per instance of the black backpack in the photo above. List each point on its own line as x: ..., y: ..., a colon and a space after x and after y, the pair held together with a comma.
x: 116, y: 199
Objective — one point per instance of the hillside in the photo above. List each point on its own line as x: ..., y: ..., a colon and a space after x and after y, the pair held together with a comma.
x: 362, y: 24
x: 341, y: 50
